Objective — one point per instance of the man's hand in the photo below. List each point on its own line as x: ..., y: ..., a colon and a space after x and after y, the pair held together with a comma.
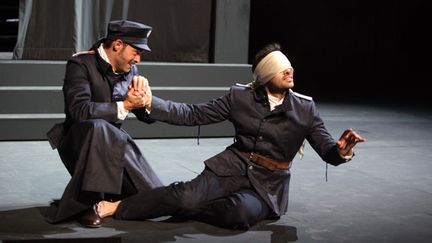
x: 139, y: 94
x: 347, y: 142
x: 137, y: 85
x: 133, y: 100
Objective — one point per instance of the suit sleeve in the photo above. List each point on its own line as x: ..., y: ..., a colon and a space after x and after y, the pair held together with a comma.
x: 321, y: 140
x: 78, y: 95
x: 175, y: 113
x: 142, y: 115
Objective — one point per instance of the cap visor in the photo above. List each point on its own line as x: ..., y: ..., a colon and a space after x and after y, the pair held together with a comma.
x: 142, y: 46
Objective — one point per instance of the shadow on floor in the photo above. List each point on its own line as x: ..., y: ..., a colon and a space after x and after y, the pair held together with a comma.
x: 28, y: 224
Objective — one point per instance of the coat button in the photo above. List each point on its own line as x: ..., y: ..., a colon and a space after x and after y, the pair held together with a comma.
x: 250, y: 167
x: 260, y: 137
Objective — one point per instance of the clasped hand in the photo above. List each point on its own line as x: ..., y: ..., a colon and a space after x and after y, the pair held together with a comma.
x: 139, y: 94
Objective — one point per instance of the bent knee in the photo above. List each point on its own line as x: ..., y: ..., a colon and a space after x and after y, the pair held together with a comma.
x: 245, y: 212
x: 240, y: 217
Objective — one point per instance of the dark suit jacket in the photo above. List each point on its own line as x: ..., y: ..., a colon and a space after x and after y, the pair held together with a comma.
x: 277, y: 134
x: 90, y: 142
x: 88, y: 93
x: 88, y: 90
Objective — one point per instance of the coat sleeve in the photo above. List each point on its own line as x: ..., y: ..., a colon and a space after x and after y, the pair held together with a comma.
x: 321, y: 140
x: 142, y: 115
x: 78, y: 95
x: 176, y: 113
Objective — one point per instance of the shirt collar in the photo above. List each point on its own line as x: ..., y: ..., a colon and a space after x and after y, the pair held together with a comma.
x: 274, y: 101
x: 104, y: 56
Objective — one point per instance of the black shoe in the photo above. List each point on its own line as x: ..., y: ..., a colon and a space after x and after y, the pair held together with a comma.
x: 90, y: 218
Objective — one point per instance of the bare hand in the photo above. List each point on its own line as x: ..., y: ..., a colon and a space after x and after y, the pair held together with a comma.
x: 139, y: 94
x: 347, y: 142
x: 133, y: 100
x: 137, y: 85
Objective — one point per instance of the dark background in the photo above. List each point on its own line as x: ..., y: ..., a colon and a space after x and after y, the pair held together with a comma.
x: 9, y: 29
x: 355, y: 50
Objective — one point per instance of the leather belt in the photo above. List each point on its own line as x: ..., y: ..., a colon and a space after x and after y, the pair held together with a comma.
x: 270, y: 164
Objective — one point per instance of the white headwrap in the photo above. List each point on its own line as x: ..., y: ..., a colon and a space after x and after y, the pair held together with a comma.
x: 268, y: 67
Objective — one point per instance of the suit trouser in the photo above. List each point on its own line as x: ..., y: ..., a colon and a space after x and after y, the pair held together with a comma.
x: 228, y: 201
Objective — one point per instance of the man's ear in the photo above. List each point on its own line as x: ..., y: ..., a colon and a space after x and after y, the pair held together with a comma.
x: 117, y: 45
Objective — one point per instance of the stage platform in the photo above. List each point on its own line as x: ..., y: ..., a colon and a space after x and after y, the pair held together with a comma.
x: 383, y: 195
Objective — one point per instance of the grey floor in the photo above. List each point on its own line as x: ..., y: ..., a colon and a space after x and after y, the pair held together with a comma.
x: 383, y: 195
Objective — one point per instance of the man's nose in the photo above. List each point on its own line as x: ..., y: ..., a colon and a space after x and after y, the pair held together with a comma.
x: 137, y: 58
x: 288, y: 71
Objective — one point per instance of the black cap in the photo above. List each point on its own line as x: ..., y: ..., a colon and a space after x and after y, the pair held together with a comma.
x: 133, y: 33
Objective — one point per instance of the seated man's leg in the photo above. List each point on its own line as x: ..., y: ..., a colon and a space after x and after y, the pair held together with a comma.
x: 183, y: 199
x: 240, y: 210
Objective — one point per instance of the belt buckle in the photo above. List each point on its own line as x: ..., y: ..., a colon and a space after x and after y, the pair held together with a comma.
x: 251, y: 156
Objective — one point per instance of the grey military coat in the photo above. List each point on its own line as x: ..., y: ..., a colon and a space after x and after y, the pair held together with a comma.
x: 277, y: 134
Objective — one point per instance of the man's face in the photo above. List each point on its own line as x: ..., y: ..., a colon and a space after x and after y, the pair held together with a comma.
x: 125, y: 57
x: 283, y: 80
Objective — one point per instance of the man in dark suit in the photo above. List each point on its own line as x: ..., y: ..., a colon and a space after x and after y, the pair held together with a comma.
x: 100, y: 89
x: 248, y: 181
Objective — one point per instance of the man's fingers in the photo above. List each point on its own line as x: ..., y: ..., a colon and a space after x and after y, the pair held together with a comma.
x: 345, y: 134
x: 135, y: 82
x: 140, y: 83
x: 145, y: 82
x: 349, y: 139
x: 357, y: 138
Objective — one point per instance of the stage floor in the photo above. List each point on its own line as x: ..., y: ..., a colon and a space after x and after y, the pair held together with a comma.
x: 383, y: 195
